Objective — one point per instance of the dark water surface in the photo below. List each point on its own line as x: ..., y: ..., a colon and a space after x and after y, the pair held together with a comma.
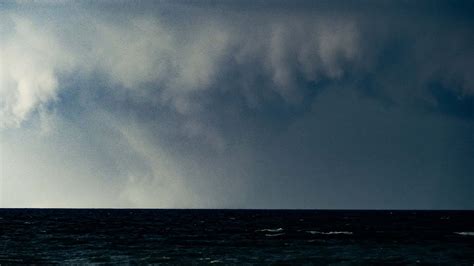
x: 236, y: 236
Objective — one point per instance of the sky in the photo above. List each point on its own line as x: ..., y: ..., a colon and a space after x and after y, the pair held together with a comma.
x: 237, y: 104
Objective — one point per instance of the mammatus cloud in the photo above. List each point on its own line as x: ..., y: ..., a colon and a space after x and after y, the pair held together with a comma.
x: 210, y: 107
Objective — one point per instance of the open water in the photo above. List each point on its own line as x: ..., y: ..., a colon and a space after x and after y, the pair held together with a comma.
x: 130, y: 236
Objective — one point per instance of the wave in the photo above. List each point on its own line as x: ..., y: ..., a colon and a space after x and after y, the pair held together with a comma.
x: 330, y: 233
x: 465, y: 233
x: 272, y: 235
x: 270, y: 230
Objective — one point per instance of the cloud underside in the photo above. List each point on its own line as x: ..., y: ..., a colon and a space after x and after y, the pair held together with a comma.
x: 304, y: 108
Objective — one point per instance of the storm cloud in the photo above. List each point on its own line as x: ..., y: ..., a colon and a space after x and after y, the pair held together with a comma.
x: 237, y: 105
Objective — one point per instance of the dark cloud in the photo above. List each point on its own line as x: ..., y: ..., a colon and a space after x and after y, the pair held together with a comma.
x: 241, y: 104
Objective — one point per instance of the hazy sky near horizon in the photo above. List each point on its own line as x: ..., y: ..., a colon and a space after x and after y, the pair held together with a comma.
x: 237, y: 104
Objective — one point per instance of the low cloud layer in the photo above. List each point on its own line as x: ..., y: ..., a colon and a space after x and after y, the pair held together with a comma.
x: 248, y: 105
x: 171, y: 63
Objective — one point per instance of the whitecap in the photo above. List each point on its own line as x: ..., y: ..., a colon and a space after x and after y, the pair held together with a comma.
x: 465, y: 233
x: 272, y: 235
x: 271, y: 230
x: 330, y: 233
